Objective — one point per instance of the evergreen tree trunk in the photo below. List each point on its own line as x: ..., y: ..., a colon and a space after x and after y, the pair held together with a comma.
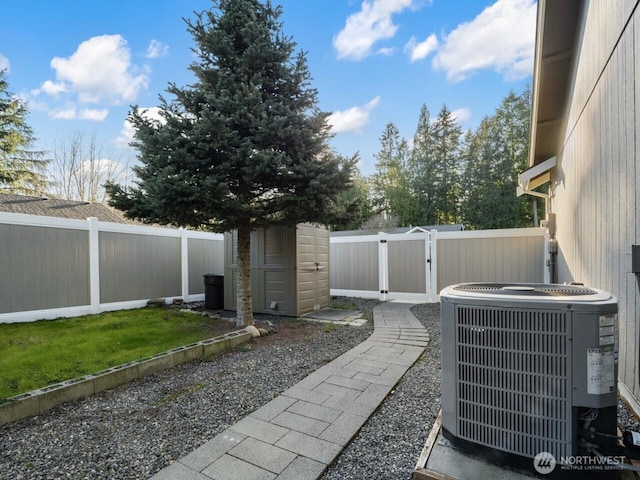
x: 243, y: 289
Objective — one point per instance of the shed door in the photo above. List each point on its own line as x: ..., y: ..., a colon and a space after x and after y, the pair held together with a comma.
x: 313, y: 268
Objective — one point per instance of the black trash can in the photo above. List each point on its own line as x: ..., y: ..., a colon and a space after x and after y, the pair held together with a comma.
x: 213, y: 291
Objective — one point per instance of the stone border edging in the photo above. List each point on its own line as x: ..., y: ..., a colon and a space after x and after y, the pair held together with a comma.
x: 38, y: 401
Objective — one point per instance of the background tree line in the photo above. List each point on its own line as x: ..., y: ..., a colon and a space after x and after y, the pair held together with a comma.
x: 446, y: 176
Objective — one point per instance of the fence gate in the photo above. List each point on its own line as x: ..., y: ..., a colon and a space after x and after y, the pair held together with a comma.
x: 416, y: 266
x: 387, y: 267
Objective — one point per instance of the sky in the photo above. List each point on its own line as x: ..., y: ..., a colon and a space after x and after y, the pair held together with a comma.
x: 81, y: 65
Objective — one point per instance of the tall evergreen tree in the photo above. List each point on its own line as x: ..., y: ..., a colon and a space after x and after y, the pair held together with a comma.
x: 245, y: 146
x: 446, y: 144
x: 423, y: 168
x: 495, y: 156
x: 511, y: 123
x: 392, y: 180
x: 22, y: 169
x: 356, y: 204
x: 387, y: 169
x: 479, y: 202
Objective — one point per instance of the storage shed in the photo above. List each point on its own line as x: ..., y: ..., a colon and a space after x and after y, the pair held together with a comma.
x: 289, y: 269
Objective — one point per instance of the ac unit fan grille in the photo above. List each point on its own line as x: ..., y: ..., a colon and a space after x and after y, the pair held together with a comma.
x: 513, y: 379
x: 529, y: 290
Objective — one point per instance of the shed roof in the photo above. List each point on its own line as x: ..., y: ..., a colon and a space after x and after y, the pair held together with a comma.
x: 53, y: 207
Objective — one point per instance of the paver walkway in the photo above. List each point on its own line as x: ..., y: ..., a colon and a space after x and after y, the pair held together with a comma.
x: 298, y: 434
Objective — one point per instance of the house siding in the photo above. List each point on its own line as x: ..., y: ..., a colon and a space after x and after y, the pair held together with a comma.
x: 594, y: 186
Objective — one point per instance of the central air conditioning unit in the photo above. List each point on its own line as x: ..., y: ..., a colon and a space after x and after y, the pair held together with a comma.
x: 528, y: 368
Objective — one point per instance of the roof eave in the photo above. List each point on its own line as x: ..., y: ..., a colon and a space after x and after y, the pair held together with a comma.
x: 557, y: 28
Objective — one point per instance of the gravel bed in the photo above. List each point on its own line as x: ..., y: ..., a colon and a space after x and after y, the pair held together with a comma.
x: 133, y: 431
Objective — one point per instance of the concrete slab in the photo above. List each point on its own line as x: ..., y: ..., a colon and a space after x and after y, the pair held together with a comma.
x: 300, y: 423
x: 442, y: 461
x: 338, y: 316
x: 259, y: 429
x: 343, y: 429
x: 178, y: 471
x: 302, y: 467
x: 310, y: 446
x: 455, y: 464
x: 263, y: 455
x: 211, y: 451
x: 232, y: 468
x: 331, y: 314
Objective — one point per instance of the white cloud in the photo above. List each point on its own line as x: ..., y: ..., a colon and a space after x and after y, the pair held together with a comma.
x: 386, y: 51
x: 353, y: 119
x: 127, y: 133
x: 4, y: 63
x: 461, y: 115
x: 419, y: 51
x: 500, y: 38
x: 51, y: 88
x: 100, y: 70
x: 366, y: 27
x: 94, y: 114
x: 157, y: 49
x: 72, y: 113
x: 68, y: 113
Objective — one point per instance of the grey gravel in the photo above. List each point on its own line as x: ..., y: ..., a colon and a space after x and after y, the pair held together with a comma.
x: 134, y: 431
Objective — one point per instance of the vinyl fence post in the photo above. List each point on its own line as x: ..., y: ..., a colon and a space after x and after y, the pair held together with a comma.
x: 383, y: 265
x: 94, y: 264
x: 184, y: 262
x: 433, y: 255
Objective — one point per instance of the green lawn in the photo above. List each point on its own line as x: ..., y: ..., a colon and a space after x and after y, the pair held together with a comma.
x: 37, y: 354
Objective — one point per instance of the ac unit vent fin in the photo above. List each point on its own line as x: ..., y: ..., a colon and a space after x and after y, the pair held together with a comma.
x: 529, y: 290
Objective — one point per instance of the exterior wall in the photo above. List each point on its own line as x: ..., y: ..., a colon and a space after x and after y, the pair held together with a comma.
x: 312, y: 247
x: 274, y: 275
x: 594, y: 186
x: 43, y: 268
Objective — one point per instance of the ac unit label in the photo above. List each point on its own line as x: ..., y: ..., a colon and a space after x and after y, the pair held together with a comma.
x: 600, y: 371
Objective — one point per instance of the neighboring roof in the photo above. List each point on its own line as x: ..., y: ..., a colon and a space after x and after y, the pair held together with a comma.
x: 556, y: 47
x: 417, y: 229
x: 52, y: 207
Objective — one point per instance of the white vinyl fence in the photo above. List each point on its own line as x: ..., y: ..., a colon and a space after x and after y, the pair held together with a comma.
x: 55, y: 267
x: 417, y: 266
